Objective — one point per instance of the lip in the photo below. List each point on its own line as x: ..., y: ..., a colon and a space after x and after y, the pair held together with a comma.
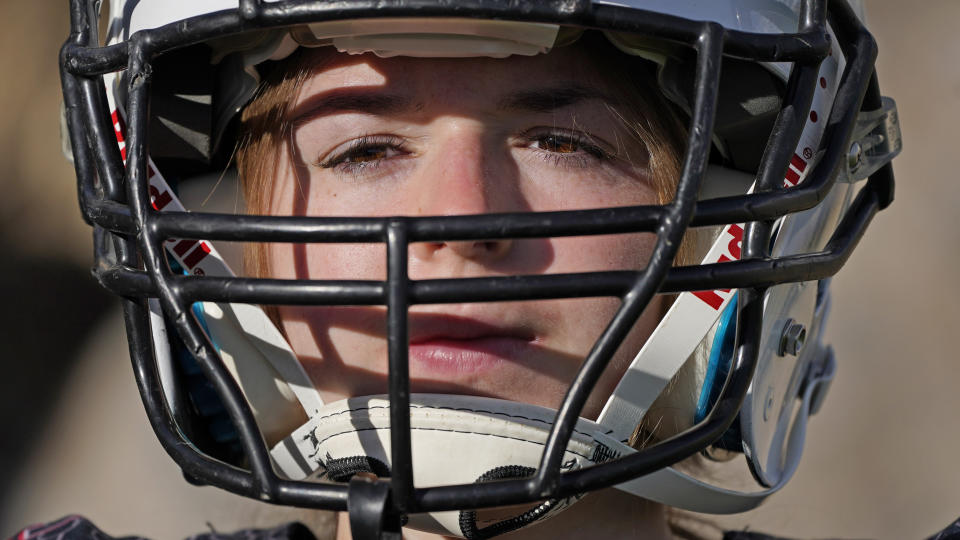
x: 448, y: 345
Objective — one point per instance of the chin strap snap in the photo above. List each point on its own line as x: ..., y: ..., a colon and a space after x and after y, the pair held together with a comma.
x: 371, y: 515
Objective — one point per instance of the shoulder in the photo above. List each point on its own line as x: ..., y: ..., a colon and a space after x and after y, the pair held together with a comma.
x: 748, y: 535
x: 66, y: 528
x: 80, y: 528
x: 952, y: 532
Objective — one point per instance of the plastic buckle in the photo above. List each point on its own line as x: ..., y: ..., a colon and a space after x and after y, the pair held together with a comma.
x: 875, y: 142
x: 369, y: 506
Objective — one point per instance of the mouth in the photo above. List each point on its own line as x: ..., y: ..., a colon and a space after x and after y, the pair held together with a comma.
x: 447, y: 345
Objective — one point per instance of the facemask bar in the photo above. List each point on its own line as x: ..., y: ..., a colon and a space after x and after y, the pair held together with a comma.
x: 101, y: 191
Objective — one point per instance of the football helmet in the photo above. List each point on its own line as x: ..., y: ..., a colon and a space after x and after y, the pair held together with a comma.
x: 787, y: 161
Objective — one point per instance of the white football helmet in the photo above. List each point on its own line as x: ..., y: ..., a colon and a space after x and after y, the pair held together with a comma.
x: 787, y: 161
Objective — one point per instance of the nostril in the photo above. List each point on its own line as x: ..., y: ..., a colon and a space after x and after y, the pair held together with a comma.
x: 490, y: 247
x: 477, y: 250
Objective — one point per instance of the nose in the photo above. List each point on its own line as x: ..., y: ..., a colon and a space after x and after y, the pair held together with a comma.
x: 464, y: 176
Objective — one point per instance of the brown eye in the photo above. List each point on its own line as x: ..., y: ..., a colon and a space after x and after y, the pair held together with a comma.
x: 560, y: 145
x: 566, y: 146
x: 364, y: 155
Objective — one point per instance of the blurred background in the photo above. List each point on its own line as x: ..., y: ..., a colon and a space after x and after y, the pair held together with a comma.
x: 881, y: 460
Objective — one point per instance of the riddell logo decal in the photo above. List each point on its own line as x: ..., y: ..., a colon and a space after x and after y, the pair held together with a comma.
x: 158, y: 199
x: 716, y: 298
x: 189, y: 252
x: 796, y: 168
x: 118, y: 129
x: 190, y: 257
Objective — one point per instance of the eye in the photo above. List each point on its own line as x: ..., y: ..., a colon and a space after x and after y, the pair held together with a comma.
x: 363, y: 153
x: 566, y: 148
x: 367, y: 154
x: 559, y: 144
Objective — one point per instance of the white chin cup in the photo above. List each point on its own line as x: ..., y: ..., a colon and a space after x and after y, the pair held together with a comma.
x: 454, y: 439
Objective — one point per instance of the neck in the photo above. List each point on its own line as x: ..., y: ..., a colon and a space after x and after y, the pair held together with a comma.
x: 608, y: 514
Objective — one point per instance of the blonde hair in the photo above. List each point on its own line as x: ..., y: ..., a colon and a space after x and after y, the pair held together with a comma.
x: 264, y: 128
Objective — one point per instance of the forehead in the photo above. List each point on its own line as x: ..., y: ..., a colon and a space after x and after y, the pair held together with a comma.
x: 447, y: 78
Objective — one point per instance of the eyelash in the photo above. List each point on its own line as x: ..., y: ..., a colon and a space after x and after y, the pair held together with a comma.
x: 585, y: 152
x: 341, y: 162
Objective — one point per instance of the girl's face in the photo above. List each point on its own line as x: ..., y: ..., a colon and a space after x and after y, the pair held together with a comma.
x: 427, y: 137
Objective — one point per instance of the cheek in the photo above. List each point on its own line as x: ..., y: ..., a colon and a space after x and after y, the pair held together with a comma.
x: 347, y: 261
x: 328, y: 261
x: 601, y: 253
x: 546, y: 187
x: 297, y: 193
x: 581, y: 321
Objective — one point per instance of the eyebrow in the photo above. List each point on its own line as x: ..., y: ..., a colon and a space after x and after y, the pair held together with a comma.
x: 551, y: 98
x: 349, y: 99
x: 539, y: 100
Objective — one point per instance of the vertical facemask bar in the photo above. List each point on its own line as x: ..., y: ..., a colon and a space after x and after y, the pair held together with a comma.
x: 670, y: 232
x: 108, y: 167
x: 788, y: 128
x: 857, y: 41
x: 73, y: 109
x: 96, y: 158
x: 398, y: 289
x: 110, y: 170
x: 99, y: 137
x: 105, y: 149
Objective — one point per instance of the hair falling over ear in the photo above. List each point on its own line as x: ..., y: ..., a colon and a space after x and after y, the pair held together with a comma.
x: 264, y: 128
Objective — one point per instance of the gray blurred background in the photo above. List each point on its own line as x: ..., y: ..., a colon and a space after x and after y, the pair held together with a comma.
x: 881, y: 460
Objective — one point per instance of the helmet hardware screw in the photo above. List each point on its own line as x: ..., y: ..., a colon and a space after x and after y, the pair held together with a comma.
x: 768, y: 404
x: 854, y: 156
x: 792, y: 338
